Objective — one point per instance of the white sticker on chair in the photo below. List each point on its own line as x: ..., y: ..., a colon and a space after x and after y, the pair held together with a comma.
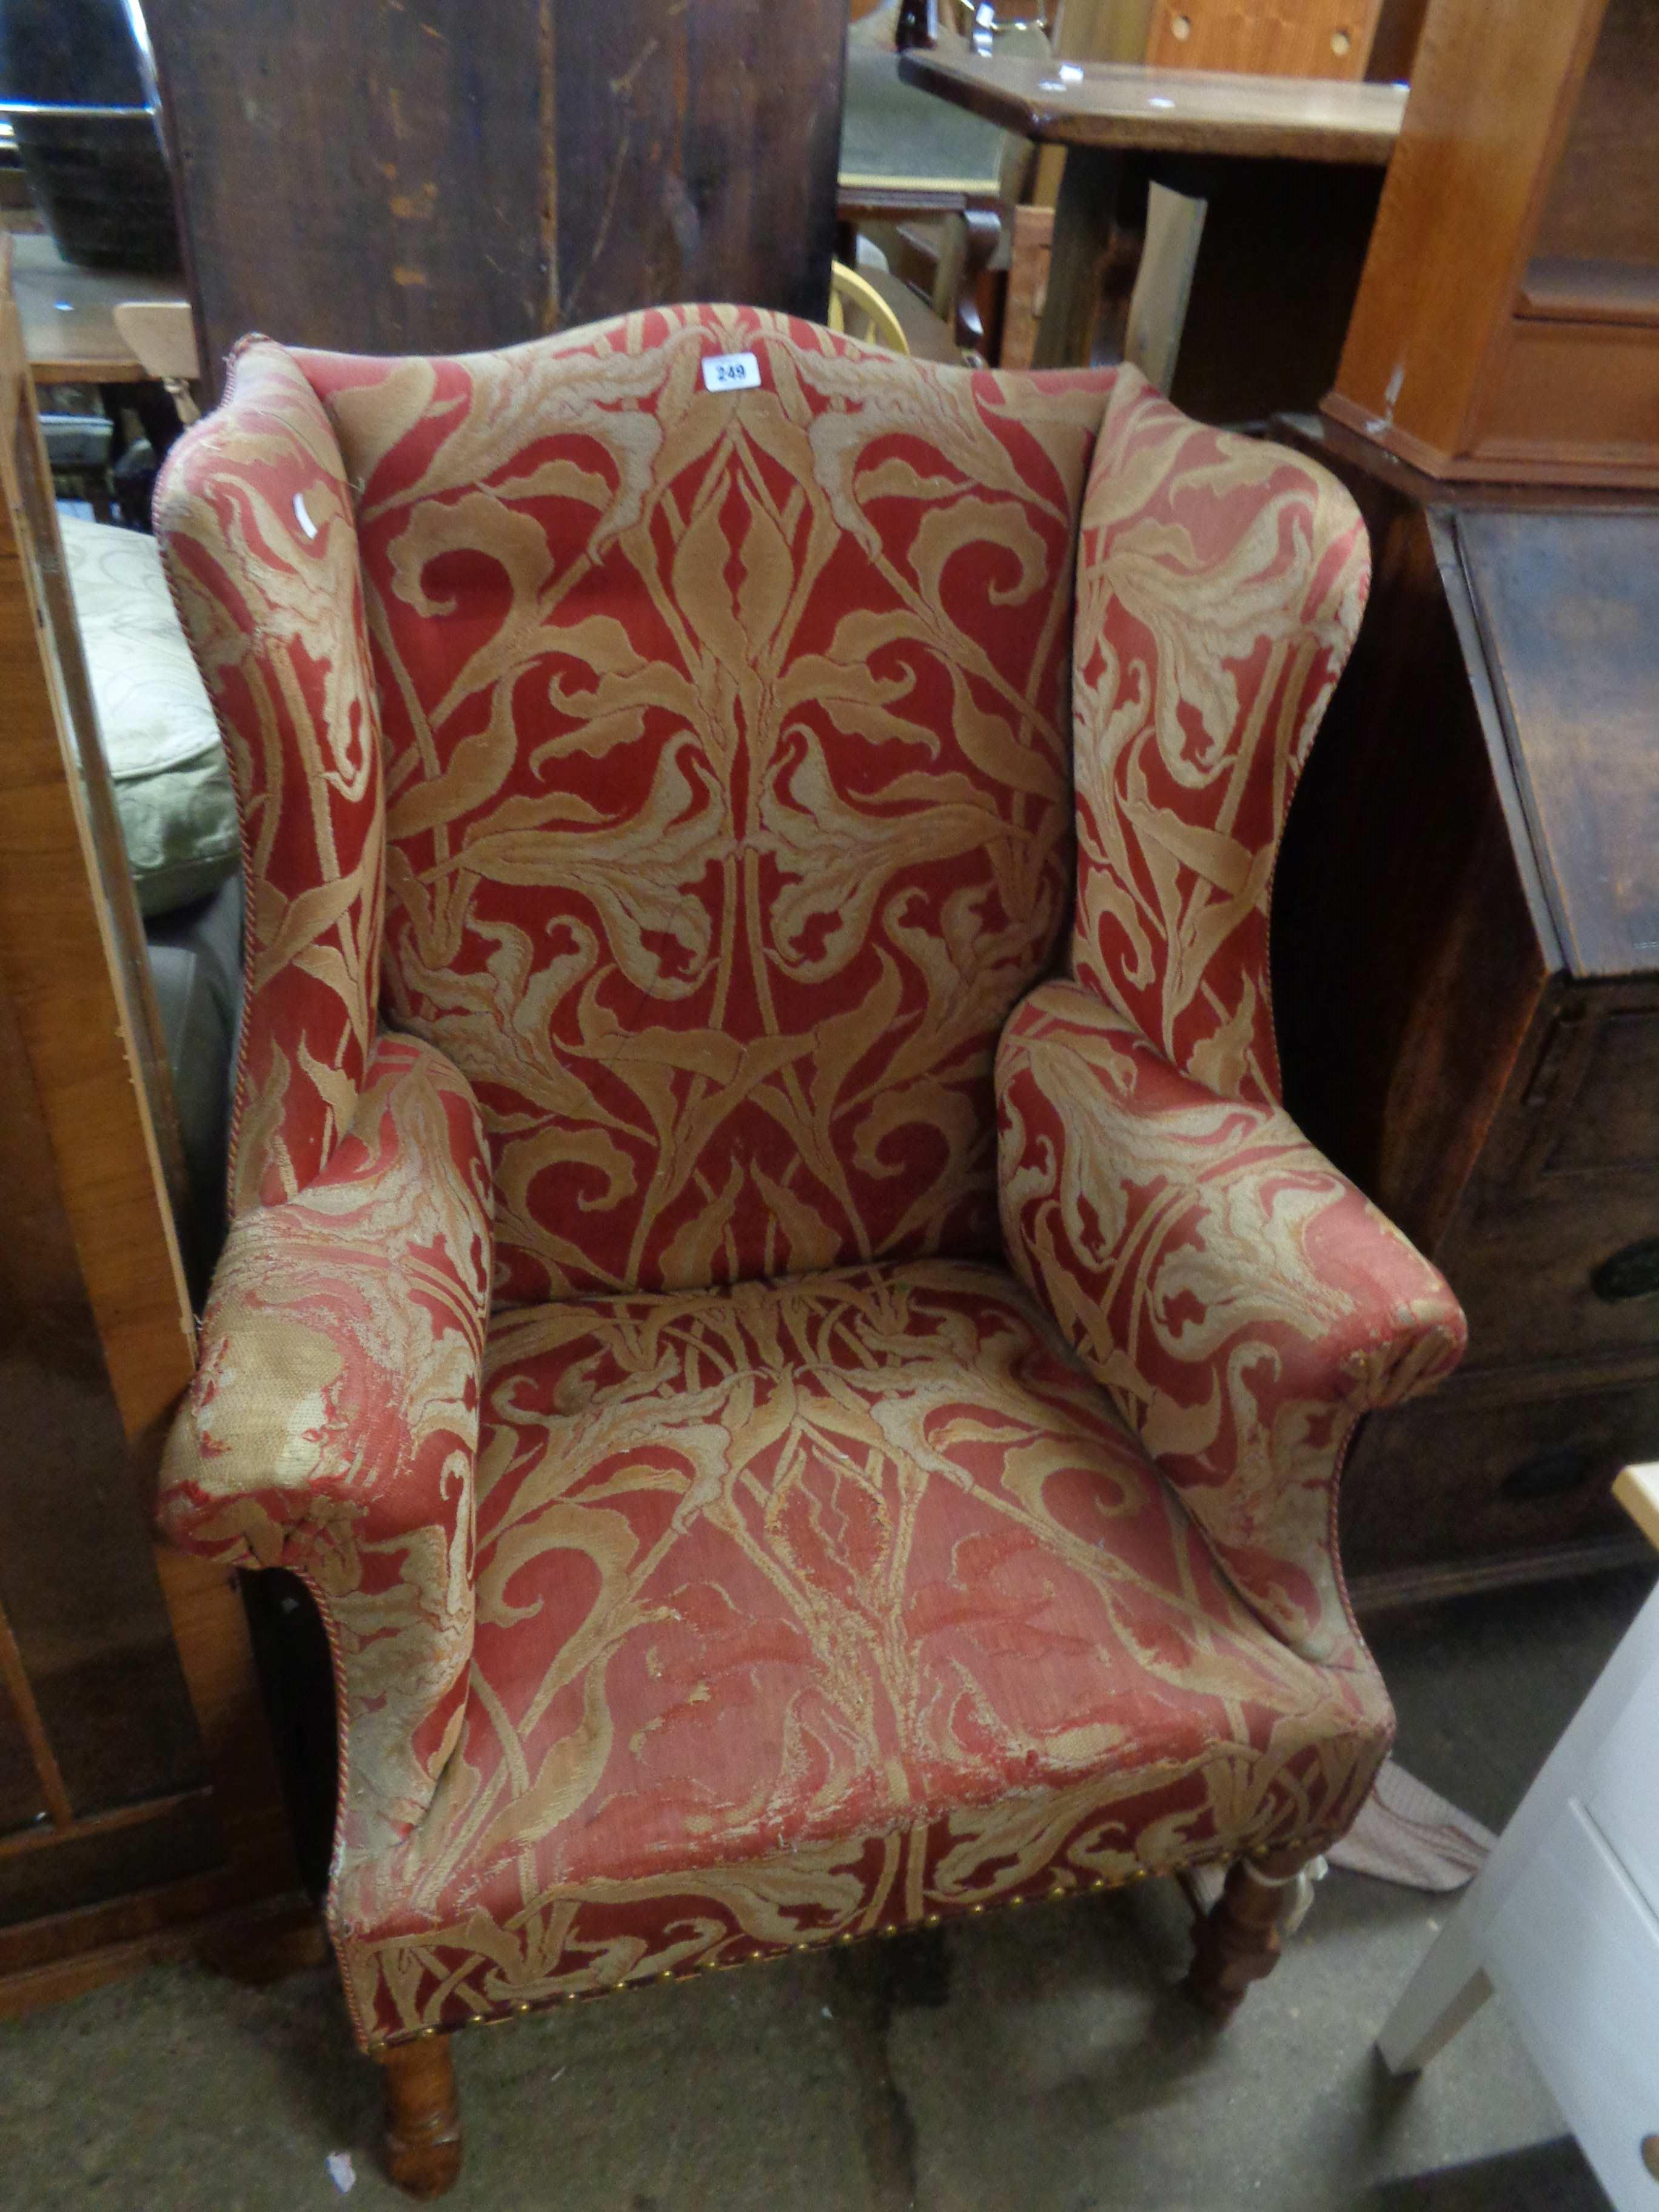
x: 730, y: 372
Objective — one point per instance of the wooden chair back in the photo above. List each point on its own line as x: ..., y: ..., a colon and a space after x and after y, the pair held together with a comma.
x: 857, y: 309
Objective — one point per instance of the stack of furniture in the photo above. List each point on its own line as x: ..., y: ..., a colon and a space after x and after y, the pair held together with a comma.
x: 935, y: 191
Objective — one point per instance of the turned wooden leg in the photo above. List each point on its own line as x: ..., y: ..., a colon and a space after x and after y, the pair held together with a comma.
x: 423, y: 2120
x: 1238, y: 1940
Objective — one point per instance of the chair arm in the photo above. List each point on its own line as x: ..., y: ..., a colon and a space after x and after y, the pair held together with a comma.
x: 1241, y: 1301
x: 333, y: 1420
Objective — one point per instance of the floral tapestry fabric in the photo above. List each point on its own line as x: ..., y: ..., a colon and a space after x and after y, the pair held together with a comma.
x: 806, y: 1608
x: 1220, y: 583
x: 658, y: 806
x: 728, y: 802
x: 1240, y: 1300
x: 332, y: 1422
x: 255, y: 520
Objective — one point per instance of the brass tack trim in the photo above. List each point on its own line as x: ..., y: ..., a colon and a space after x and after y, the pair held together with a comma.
x: 1063, y: 1885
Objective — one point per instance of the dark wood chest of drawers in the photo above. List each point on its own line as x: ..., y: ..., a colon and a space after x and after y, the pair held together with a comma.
x: 1466, y: 973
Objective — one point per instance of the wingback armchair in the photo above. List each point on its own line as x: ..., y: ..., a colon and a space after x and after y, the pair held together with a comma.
x: 772, y: 1298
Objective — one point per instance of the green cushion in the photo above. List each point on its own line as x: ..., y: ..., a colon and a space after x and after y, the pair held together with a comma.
x: 172, y: 787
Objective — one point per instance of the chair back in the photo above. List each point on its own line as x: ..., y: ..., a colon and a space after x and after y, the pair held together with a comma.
x: 721, y: 669
x: 857, y: 308
x: 162, y: 334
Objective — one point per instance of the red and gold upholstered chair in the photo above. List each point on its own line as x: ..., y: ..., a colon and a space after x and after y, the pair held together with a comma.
x: 772, y: 1298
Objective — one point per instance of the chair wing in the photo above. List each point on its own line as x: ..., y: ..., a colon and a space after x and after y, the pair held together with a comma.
x: 255, y: 519
x: 1220, y: 585
x: 1240, y: 1299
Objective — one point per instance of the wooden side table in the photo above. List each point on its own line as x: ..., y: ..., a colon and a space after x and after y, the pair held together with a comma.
x: 1562, y: 1920
x: 68, y: 315
x: 1290, y: 169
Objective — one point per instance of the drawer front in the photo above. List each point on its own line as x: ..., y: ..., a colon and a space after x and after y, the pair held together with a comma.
x: 1570, y: 1270
x: 1574, y: 1954
x: 1610, y: 1119
x: 1480, y: 1468
x: 1555, y: 1251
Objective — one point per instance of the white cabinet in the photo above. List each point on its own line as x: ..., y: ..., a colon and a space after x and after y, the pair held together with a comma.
x: 1562, y: 1920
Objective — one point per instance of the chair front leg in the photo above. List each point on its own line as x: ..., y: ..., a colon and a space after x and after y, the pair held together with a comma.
x: 1239, y: 1940
x: 422, y: 2136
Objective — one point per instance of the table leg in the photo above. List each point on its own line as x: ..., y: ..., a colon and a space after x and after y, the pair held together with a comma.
x: 1085, y: 227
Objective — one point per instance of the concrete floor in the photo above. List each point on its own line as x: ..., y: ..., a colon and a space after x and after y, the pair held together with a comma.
x: 1039, y: 2060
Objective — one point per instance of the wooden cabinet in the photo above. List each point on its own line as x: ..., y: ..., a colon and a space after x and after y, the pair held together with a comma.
x: 1507, y: 325
x: 138, y: 1796
x: 1466, y: 980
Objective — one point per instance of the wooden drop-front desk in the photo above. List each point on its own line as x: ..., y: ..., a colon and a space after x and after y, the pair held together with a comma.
x: 1465, y: 942
x: 139, y: 1808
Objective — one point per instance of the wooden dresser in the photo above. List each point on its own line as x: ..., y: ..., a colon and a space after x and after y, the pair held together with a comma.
x: 1467, y: 979
x: 139, y: 1801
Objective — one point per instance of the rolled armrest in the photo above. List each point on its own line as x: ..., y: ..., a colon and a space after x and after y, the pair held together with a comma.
x: 333, y: 1420
x: 1242, y: 1302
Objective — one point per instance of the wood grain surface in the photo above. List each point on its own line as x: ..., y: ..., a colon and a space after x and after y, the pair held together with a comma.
x: 1507, y: 326
x: 1170, y: 111
x: 69, y: 324
x: 1569, y: 608
x: 448, y: 176
x: 1275, y: 38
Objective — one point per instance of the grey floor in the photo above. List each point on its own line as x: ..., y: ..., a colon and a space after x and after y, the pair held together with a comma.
x: 1037, y: 2060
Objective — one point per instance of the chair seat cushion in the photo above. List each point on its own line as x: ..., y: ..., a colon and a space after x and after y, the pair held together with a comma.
x: 812, y: 1608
